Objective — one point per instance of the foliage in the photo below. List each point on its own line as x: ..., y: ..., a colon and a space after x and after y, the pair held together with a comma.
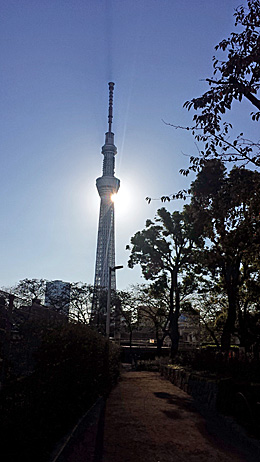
x: 74, y: 367
x: 238, y: 75
x: 213, y: 308
x: 75, y: 297
x: 151, y: 365
x: 29, y: 290
x: 225, y: 208
x: 99, y: 305
x: 163, y: 250
x: 235, y: 78
x: 129, y: 311
x: 81, y: 296
x: 146, y: 306
x: 154, y: 309
x: 225, y: 214
x: 208, y: 361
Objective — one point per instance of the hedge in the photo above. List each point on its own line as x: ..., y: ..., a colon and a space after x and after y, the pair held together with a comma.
x: 74, y: 366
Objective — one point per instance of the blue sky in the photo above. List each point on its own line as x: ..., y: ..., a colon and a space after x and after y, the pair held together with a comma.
x: 57, y: 57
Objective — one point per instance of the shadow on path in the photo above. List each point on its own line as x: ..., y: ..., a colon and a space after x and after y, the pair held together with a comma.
x: 149, y: 419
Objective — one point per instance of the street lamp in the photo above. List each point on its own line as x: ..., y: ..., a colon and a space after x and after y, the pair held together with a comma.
x: 109, y: 298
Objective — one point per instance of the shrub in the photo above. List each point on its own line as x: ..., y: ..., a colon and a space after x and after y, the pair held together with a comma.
x: 74, y: 366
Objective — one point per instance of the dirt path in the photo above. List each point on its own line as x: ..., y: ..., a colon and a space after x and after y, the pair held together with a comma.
x: 149, y: 419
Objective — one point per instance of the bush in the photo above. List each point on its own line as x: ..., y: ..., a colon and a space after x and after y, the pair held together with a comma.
x: 215, y: 362
x: 152, y: 365
x: 74, y: 366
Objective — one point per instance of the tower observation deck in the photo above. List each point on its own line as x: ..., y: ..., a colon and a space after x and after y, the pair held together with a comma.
x: 107, y: 185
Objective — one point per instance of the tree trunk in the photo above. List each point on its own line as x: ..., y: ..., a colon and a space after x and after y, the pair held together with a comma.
x: 242, y: 319
x: 231, y: 319
x: 130, y: 340
x: 212, y: 334
x: 174, y: 320
x: 159, y: 345
x: 231, y: 275
x: 174, y: 335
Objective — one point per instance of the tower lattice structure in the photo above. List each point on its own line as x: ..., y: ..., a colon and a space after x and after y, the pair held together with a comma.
x: 107, y: 185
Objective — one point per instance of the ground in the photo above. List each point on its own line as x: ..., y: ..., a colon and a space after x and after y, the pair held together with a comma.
x: 149, y: 419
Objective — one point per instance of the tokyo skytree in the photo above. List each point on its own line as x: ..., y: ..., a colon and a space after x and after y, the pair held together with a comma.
x: 107, y: 185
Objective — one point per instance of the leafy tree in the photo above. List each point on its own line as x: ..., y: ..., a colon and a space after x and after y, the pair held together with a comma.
x: 235, y: 77
x: 74, y: 367
x: 249, y: 305
x: 226, y: 210
x: 154, y: 310
x: 238, y: 74
x: 129, y: 311
x: 81, y: 296
x: 146, y: 306
x: 99, y: 308
x: 213, y: 309
x: 163, y: 249
x: 30, y: 289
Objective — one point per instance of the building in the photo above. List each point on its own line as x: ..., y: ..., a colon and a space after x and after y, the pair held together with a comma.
x: 107, y: 185
x: 189, y: 330
x: 57, y: 295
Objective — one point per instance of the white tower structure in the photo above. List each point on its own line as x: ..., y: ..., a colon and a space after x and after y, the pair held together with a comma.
x: 107, y: 185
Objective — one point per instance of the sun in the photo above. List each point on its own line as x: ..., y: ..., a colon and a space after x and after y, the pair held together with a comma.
x: 122, y: 201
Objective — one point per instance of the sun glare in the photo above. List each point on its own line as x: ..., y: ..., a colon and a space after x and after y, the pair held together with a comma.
x: 122, y: 201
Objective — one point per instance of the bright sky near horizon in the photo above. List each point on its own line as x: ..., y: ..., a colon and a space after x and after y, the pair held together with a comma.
x: 57, y: 57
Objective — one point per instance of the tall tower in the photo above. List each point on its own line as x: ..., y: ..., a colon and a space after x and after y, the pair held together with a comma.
x: 107, y: 185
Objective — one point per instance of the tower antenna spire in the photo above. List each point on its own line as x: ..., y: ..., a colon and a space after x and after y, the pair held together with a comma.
x: 107, y: 185
x: 110, y: 108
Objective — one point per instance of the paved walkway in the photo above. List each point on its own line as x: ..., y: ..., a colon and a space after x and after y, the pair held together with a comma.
x: 149, y: 419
